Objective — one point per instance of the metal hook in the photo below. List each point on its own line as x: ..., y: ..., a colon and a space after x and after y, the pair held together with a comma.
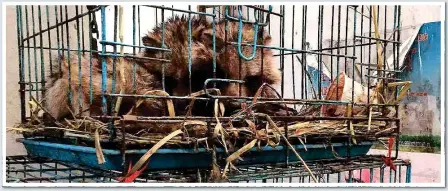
x: 240, y: 37
x: 240, y: 32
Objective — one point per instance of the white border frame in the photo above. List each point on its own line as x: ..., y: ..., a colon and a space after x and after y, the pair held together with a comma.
x: 3, y: 74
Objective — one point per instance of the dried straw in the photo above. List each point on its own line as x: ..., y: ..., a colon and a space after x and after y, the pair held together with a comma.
x: 151, y: 151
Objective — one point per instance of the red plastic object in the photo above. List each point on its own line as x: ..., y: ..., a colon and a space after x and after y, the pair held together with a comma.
x: 131, y: 177
x: 388, y: 160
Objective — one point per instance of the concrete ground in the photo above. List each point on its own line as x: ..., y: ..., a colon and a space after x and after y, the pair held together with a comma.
x: 426, y: 167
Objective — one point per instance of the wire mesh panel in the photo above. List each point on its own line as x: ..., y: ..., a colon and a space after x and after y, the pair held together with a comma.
x: 221, y: 77
x: 369, y: 169
x: 27, y: 169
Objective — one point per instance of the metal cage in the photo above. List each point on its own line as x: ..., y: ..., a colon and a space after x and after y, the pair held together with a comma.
x: 311, y: 46
x: 26, y: 169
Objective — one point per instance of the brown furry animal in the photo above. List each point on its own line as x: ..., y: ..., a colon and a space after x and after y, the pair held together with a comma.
x: 177, y: 71
x: 57, y: 94
x: 176, y: 39
x: 260, y: 70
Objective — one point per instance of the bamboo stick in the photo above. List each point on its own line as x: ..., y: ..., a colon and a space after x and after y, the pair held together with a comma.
x: 123, y: 78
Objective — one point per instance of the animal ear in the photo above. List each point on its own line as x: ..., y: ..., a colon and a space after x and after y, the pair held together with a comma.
x: 207, y: 38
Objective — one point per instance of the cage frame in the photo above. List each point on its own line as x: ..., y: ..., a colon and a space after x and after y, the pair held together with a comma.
x: 104, y: 42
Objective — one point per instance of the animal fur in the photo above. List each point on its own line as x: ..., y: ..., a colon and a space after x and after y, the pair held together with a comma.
x: 255, y: 72
x: 57, y: 94
x: 176, y: 38
x: 260, y: 70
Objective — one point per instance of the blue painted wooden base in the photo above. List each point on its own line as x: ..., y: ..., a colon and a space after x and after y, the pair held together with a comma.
x: 165, y: 159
